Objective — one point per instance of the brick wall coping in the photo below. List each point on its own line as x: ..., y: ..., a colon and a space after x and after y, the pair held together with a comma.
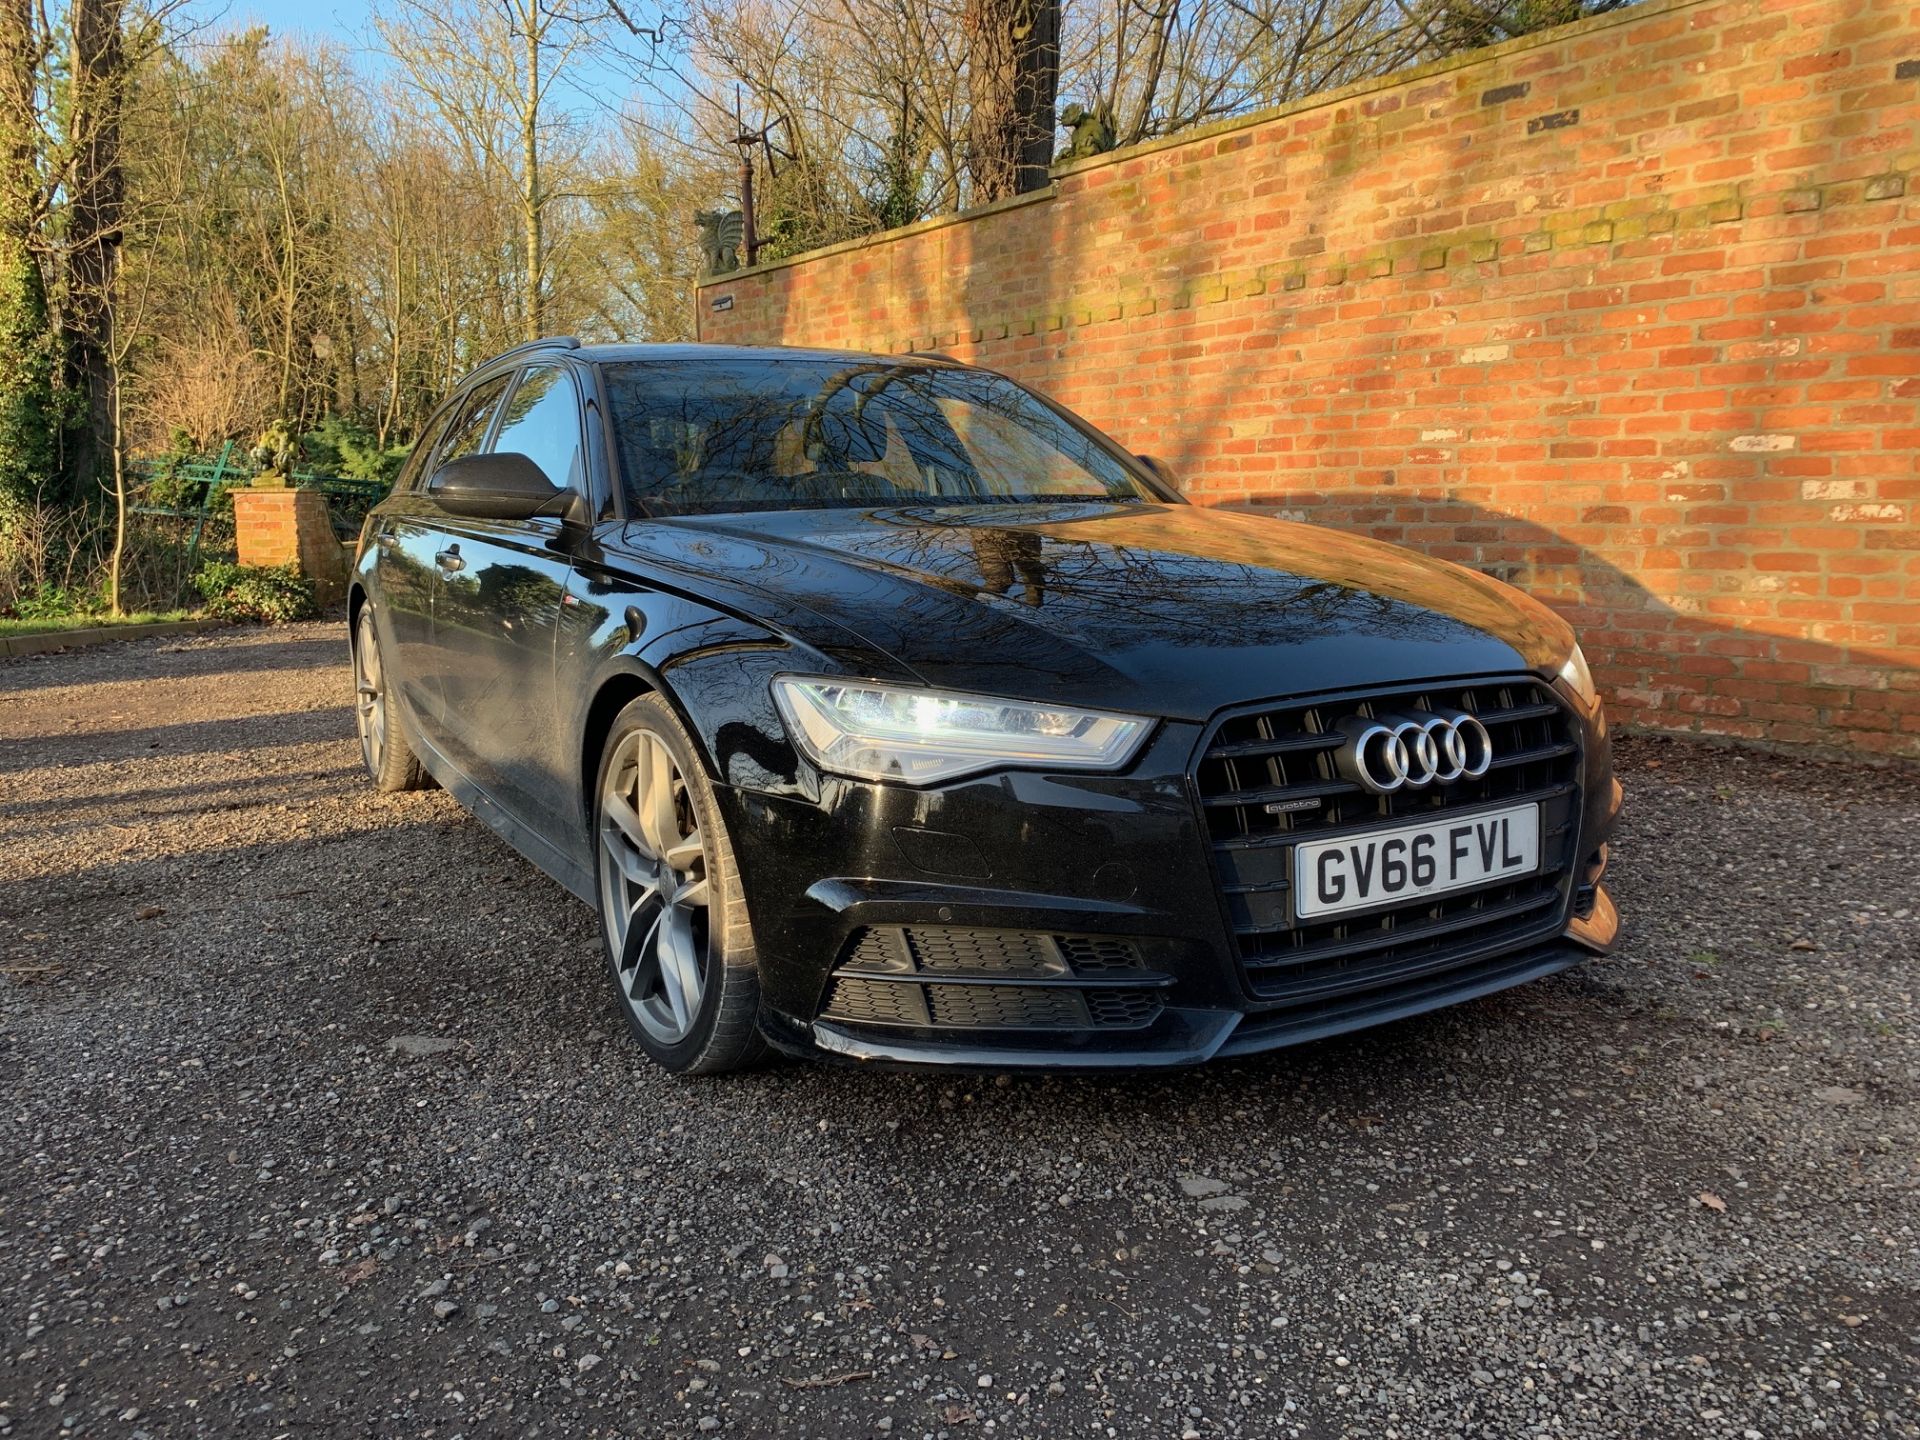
x: 899, y: 232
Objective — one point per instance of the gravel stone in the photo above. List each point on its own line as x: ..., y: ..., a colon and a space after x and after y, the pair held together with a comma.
x: 1491, y: 1215
x: 419, y: 1045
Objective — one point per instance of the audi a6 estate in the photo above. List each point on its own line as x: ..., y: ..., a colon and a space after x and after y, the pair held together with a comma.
x: 886, y: 711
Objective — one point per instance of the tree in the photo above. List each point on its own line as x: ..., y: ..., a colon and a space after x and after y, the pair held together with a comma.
x: 30, y: 420
x: 1469, y: 24
x: 97, y: 82
x: 1013, y: 73
x: 30, y: 425
x: 647, y: 183
x: 488, y: 71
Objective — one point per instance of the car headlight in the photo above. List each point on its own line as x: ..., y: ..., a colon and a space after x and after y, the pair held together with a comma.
x: 922, y: 737
x: 1579, y: 678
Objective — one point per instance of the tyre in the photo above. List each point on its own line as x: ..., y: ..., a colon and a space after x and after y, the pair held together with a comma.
x: 383, y: 739
x: 672, y: 920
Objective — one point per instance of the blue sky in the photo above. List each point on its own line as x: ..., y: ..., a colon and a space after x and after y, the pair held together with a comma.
x: 347, y: 21
x: 597, y: 88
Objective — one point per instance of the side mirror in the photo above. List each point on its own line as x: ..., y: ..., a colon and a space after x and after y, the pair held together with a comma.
x: 1162, y: 472
x: 502, y: 486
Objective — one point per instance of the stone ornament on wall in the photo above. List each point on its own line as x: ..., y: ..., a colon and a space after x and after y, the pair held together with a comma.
x: 721, y: 235
x: 273, y: 452
x: 1092, y: 131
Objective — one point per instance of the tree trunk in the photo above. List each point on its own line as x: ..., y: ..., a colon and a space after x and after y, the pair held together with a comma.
x: 289, y: 288
x: 1013, y: 78
x: 93, y: 133
x: 532, y: 199
x: 390, y: 412
x: 117, y: 453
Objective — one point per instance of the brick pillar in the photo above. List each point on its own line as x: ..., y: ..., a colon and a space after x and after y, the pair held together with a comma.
x: 290, y: 527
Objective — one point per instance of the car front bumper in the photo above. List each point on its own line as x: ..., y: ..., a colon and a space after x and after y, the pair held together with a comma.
x: 957, y: 915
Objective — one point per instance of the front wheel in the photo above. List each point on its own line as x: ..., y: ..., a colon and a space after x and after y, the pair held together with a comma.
x: 383, y: 740
x: 671, y: 916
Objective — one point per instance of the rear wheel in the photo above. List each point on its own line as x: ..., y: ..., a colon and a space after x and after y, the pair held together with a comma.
x: 383, y: 740
x: 671, y: 916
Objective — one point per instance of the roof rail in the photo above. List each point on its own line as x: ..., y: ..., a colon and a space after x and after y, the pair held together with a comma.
x: 545, y: 342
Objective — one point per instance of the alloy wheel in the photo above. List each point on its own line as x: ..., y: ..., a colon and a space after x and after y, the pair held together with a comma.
x: 370, y: 710
x: 654, y: 887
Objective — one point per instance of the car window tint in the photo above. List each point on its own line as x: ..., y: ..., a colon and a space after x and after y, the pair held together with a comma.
x: 414, y: 470
x: 710, y: 436
x: 542, y: 422
x: 466, y: 433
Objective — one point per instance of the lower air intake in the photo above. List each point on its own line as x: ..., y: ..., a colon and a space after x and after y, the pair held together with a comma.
x: 893, y: 975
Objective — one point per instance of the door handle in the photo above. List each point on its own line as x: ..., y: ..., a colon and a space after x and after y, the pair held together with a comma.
x: 449, y: 559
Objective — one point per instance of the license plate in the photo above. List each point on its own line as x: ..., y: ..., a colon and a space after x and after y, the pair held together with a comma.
x: 1409, y: 862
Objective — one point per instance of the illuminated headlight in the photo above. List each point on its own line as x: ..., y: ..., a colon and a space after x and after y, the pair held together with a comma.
x: 1579, y: 678
x: 922, y: 737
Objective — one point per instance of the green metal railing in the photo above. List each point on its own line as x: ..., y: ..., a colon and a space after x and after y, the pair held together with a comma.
x: 196, y: 487
x: 349, y: 500
x: 197, y: 479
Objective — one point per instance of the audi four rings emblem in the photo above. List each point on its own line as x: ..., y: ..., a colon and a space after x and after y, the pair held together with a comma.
x: 1411, y: 751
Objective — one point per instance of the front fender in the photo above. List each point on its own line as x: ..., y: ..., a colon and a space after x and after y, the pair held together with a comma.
x: 714, y: 668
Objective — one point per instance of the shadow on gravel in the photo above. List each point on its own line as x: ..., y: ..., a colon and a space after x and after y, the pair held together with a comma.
x: 261, y: 652
x: 174, y: 801
x: 316, y: 892
x: 273, y: 730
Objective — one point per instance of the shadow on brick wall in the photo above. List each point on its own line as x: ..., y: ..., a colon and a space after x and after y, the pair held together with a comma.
x: 1661, y: 665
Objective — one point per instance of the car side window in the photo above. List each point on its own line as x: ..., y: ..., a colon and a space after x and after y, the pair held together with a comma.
x: 418, y: 467
x: 465, y: 435
x: 542, y: 422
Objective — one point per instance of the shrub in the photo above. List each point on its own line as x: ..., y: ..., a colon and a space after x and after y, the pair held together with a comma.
x: 170, y: 487
x: 46, y: 550
x: 30, y: 410
x: 342, y: 447
x: 176, y: 481
x: 51, y: 602
x: 269, y: 594
x: 54, y: 560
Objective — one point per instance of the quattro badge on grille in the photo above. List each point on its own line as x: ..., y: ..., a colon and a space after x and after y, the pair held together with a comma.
x: 1292, y: 807
x: 1412, y: 750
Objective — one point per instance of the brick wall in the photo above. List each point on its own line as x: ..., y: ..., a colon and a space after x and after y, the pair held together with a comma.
x: 1628, y: 313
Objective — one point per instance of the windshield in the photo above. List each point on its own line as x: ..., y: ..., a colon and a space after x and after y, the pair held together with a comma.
x: 703, y: 436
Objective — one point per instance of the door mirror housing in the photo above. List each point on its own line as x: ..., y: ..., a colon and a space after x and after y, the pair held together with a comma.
x: 503, y: 486
x: 1163, y: 472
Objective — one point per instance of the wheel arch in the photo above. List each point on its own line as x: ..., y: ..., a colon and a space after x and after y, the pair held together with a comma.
x: 627, y: 683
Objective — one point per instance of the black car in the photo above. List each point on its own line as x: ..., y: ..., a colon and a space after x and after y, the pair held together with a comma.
x: 885, y: 710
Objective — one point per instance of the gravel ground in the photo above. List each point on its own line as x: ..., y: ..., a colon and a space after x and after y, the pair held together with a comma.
x: 319, y: 1121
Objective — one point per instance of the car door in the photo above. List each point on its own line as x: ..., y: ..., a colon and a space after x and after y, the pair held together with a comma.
x: 499, y: 609
x: 402, y: 535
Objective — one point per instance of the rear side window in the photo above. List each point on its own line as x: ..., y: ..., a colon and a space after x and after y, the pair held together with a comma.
x: 542, y: 422
x: 466, y: 433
